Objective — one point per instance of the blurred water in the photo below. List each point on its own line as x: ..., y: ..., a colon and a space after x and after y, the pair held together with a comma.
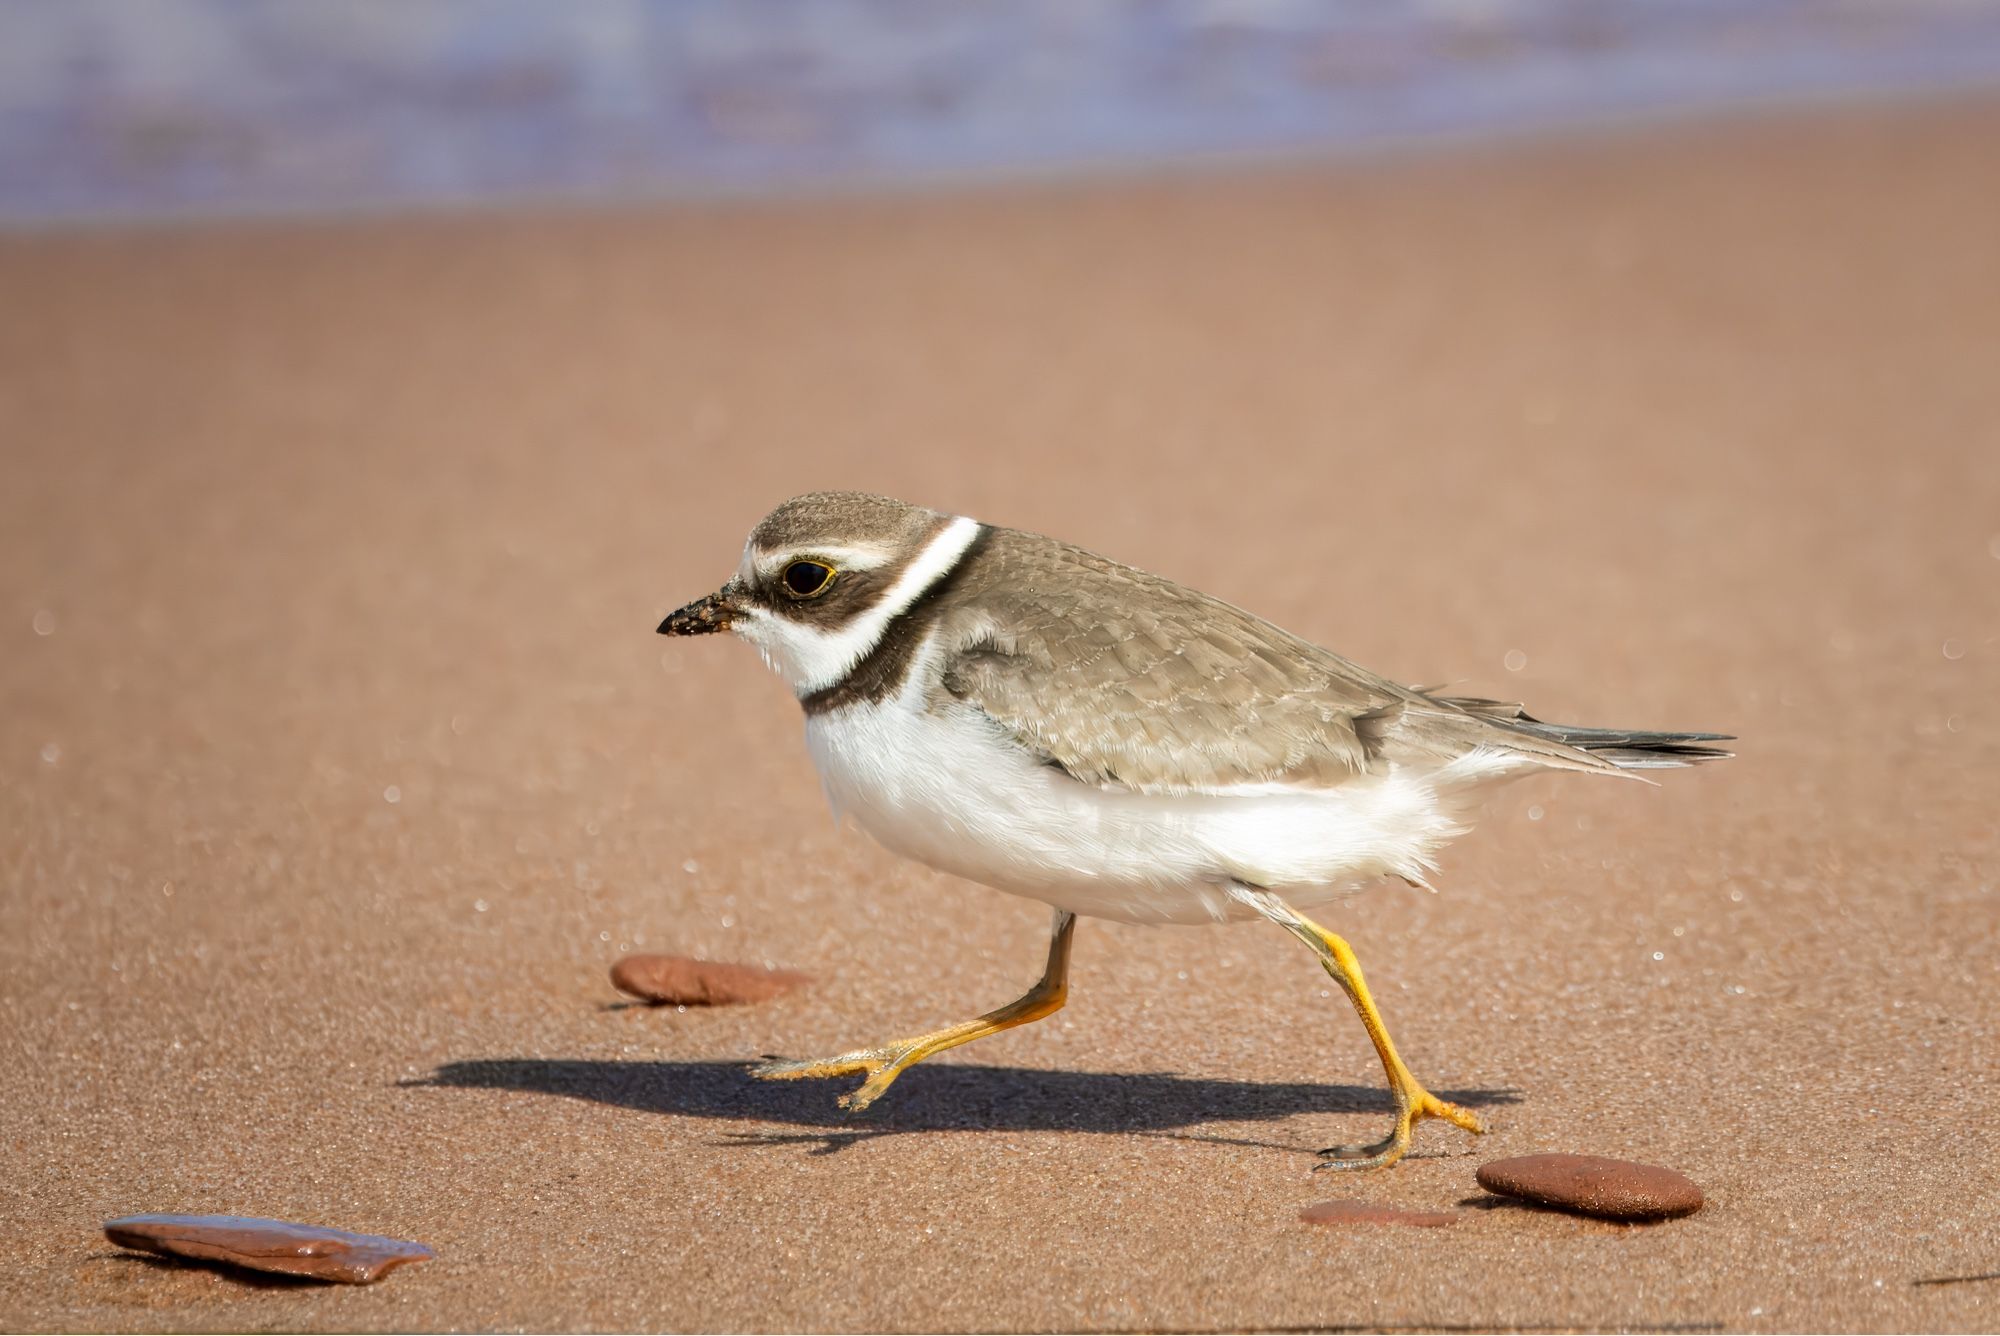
x: 162, y: 107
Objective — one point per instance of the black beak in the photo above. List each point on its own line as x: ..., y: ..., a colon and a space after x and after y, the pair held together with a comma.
x: 704, y: 616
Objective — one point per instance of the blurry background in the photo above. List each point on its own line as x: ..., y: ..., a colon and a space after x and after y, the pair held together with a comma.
x: 374, y: 376
x: 214, y: 106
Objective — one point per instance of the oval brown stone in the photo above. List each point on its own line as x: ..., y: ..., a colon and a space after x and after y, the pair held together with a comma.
x: 700, y: 983
x: 283, y: 1246
x: 1347, y: 1211
x: 1594, y: 1185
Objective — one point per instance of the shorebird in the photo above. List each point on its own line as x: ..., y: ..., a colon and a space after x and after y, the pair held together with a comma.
x: 1022, y: 713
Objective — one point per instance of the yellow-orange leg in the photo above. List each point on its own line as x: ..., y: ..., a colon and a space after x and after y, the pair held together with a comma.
x: 1413, y: 1102
x: 888, y: 1061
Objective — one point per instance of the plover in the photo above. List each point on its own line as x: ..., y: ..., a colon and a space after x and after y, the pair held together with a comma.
x: 1045, y: 721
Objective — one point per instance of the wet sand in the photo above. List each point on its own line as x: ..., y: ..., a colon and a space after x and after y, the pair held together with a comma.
x: 339, y: 759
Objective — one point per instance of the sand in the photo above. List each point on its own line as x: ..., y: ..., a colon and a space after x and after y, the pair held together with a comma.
x: 339, y: 758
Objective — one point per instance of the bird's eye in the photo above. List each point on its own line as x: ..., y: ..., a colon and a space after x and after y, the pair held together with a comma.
x: 808, y: 579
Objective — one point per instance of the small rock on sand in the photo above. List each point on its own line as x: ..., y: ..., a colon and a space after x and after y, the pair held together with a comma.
x: 1594, y: 1185
x: 267, y: 1245
x: 700, y: 983
x: 1346, y: 1211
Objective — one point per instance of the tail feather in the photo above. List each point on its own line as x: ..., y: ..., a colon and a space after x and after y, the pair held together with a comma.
x: 1628, y: 749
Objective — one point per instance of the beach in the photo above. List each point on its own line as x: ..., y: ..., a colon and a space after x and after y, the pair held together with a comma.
x: 340, y: 760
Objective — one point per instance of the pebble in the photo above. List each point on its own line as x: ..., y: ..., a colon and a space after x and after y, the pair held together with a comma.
x: 700, y: 983
x: 1594, y: 1185
x: 283, y: 1246
x: 1346, y: 1211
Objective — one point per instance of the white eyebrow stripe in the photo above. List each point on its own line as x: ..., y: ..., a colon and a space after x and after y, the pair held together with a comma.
x: 843, y: 558
x: 825, y: 657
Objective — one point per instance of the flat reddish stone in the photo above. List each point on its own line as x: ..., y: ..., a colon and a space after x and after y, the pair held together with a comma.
x: 700, y: 983
x: 1346, y: 1211
x: 1594, y: 1185
x: 283, y: 1246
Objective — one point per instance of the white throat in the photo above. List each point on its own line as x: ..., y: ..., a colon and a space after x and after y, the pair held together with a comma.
x: 811, y: 659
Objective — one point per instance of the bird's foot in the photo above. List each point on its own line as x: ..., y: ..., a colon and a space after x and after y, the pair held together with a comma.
x: 883, y: 1066
x: 1413, y: 1105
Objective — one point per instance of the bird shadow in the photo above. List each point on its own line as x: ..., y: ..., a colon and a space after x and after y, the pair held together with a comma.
x: 939, y: 1098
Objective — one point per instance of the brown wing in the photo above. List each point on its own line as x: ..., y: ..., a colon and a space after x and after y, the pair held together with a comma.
x: 1121, y: 677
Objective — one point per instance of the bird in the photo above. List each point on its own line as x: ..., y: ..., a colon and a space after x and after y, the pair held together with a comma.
x: 1019, y: 712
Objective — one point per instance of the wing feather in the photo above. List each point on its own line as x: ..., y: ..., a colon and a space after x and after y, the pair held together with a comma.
x: 1124, y: 678
x: 1175, y: 691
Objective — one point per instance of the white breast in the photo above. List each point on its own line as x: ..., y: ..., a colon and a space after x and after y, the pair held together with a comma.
x: 951, y: 790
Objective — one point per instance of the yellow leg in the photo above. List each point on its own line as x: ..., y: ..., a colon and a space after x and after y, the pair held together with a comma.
x: 1413, y: 1102
x: 888, y: 1061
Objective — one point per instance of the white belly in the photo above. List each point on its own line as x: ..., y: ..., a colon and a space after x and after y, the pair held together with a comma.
x: 951, y: 791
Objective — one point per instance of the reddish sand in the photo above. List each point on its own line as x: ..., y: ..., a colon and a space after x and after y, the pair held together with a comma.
x: 1343, y: 1211
x: 339, y: 758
